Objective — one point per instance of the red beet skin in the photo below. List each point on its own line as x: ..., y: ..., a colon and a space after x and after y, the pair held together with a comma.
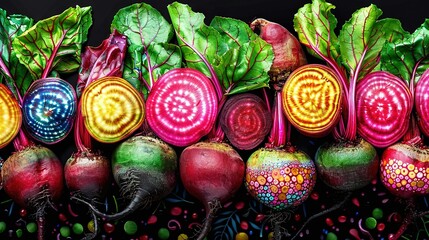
x: 31, y: 175
x: 88, y: 173
x: 211, y: 171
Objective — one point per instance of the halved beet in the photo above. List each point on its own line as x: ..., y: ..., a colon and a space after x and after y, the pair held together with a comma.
x: 246, y: 120
x: 422, y: 102
x: 49, y: 109
x: 112, y: 109
x: 10, y: 118
x: 383, y: 108
x: 182, y: 106
x: 312, y: 99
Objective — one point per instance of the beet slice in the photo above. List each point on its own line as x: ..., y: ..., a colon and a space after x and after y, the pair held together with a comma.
x: 422, y: 102
x: 246, y: 120
x: 49, y: 109
x: 112, y: 109
x: 312, y: 99
x: 383, y: 108
x: 182, y: 106
x: 10, y: 118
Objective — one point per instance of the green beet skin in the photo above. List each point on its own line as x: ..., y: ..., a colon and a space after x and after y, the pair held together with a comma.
x: 347, y: 167
x: 152, y: 158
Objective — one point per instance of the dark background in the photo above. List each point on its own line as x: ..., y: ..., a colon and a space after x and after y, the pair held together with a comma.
x: 242, y: 209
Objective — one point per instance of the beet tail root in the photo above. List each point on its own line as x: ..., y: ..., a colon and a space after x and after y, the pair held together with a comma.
x: 139, y: 199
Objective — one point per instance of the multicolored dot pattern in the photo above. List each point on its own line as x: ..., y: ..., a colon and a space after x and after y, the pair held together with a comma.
x: 403, y: 178
x: 281, y: 184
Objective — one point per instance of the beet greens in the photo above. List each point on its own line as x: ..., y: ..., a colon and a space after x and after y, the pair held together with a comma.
x: 33, y: 175
x: 352, y: 54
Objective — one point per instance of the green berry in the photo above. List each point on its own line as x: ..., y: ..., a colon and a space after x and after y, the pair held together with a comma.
x: 19, y: 233
x: 31, y: 227
x: 331, y: 236
x: 65, y: 231
x: 2, y: 227
x: 377, y: 213
x: 371, y: 223
x: 163, y: 233
x: 77, y: 228
x: 130, y: 227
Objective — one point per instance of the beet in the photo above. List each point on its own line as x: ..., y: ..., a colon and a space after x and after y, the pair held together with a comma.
x: 288, y: 52
x: 182, y: 106
x: 11, y: 116
x: 112, y: 109
x: 87, y: 174
x: 383, y: 108
x: 211, y: 172
x: 246, y: 120
x: 145, y: 170
x: 422, y: 102
x: 312, y: 99
x: 345, y: 166
x: 33, y: 178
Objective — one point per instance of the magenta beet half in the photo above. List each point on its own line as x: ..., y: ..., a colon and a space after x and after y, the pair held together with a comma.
x: 182, y: 106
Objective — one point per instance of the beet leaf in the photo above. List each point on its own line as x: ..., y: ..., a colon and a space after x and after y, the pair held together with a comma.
x: 105, y: 60
x: 54, y: 44
x: 150, y: 53
x: 407, y: 56
x: 227, y: 51
x: 12, y: 71
x: 248, y: 60
x: 353, y: 54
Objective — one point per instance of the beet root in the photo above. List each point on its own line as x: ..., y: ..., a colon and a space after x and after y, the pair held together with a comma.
x: 33, y: 178
x: 212, y: 172
x: 87, y: 175
x: 145, y: 170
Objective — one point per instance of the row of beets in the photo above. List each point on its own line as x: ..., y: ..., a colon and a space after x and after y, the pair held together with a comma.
x: 219, y: 88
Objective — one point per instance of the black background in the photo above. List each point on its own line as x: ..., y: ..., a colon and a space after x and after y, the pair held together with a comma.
x: 411, y: 13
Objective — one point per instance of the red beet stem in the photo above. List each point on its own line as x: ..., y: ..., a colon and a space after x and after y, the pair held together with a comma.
x: 280, y: 131
x: 81, y: 136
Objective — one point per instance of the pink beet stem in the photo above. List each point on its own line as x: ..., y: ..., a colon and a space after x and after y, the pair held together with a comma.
x: 280, y: 131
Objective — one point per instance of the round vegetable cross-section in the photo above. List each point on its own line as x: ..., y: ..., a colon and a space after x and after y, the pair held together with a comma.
x: 383, y: 108
x: 10, y: 116
x: 182, y: 106
x: 422, y: 102
x: 312, y: 97
x: 49, y: 109
x: 112, y: 109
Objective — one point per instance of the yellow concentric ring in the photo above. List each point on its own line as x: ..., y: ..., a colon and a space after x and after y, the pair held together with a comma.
x: 312, y: 98
x: 112, y: 109
x: 10, y: 116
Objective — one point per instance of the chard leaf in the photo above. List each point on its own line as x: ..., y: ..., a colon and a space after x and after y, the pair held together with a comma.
x: 12, y: 71
x: 315, y: 25
x: 149, y: 53
x: 55, y: 43
x: 407, y: 58
x: 200, y: 44
x: 361, y: 41
x: 244, y: 67
x: 107, y: 59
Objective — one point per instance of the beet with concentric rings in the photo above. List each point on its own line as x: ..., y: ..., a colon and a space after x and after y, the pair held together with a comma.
x: 184, y: 108
x: 246, y: 120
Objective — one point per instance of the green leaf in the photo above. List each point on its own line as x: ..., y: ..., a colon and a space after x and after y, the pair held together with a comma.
x: 315, y: 25
x: 55, y: 43
x: 407, y: 58
x: 149, y: 53
x: 233, y: 31
x: 200, y: 44
x: 361, y: 41
x: 158, y: 59
x: 14, y: 72
x: 244, y: 67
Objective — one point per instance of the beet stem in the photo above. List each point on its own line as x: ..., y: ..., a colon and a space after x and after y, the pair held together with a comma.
x: 326, y: 211
x: 213, y: 207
